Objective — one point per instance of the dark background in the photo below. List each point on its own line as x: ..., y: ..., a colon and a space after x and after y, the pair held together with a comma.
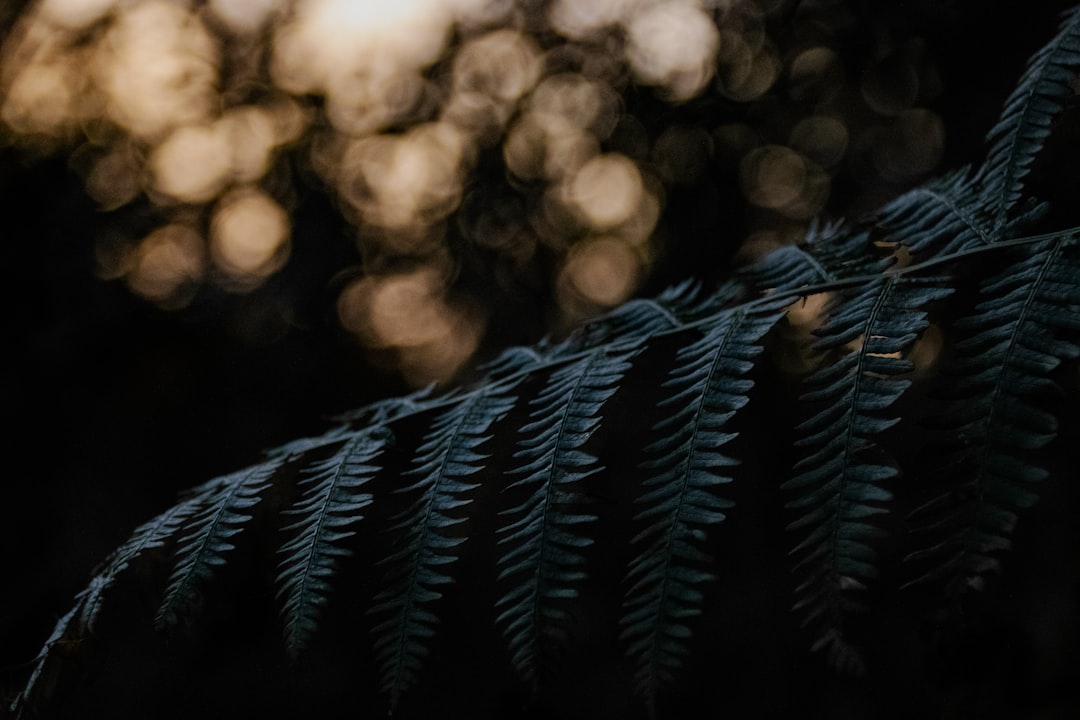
x: 112, y: 406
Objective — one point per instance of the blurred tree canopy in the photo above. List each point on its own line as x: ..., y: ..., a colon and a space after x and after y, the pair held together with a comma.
x: 441, y: 173
x: 225, y: 219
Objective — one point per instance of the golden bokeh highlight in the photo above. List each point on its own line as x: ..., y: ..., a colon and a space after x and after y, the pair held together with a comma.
x: 599, y: 273
x: 166, y: 264
x: 409, y: 315
x: 43, y: 98
x: 114, y: 178
x: 490, y: 74
x: 75, y: 14
x: 672, y: 45
x: 405, y: 183
x: 584, y: 20
x: 547, y: 147
x: 192, y: 165
x: 205, y: 115
x: 249, y: 236
x: 245, y: 17
x: 157, y: 67
x: 606, y: 190
x: 778, y: 178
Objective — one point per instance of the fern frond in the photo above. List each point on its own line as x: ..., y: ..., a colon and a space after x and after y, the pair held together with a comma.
x: 839, y: 481
x: 380, y: 412
x: 951, y: 214
x: 148, y: 536
x: 511, y: 362
x: 942, y: 216
x: 332, y: 502
x: 61, y: 635
x: 223, y: 512
x: 445, y: 461
x: 79, y: 622
x: 1028, y: 115
x: 642, y: 318
x: 829, y: 254
x: 708, y: 385
x: 541, y: 545
x: 1012, y: 344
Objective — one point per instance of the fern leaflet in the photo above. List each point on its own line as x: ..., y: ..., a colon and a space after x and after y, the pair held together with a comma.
x: 839, y: 481
x: 1029, y: 112
x: 153, y: 534
x: 1002, y: 371
x: 447, y: 457
x: 708, y: 386
x: 224, y: 512
x: 331, y: 503
x: 541, y: 546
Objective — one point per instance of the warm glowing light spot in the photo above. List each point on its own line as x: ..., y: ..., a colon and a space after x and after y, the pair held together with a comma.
x: 408, y: 310
x: 637, y: 229
x: 249, y: 235
x: 577, y: 100
x: 290, y: 120
x: 41, y: 98
x: 193, y: 164
x: 479, y: 115
x: 439, y: 360
x: 672, y: 45
x: 568, y: 149
x: 606, y: 190
x: 503, y: 65
x: 244, y: 16
x: 603, y: 272
x: 75, y: 14
x: 250, y: 134
x: 114, y: 178
x: 524, y: 148
x: 772, y: 176
x: 327, y: 41
x: 547, y: 146
x: 409, y: 313
x: 157, y: 66
x: 403, y: 180
x: 166, y: 263
x: 579, y: 20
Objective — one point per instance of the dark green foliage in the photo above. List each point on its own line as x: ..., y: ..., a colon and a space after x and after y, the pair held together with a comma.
x: 330, y: 505
x: 223, y: 506
x: 509, y: 477
x: 447, y: 457
x: 1008, y: 350
x: 707, y: 386
x: 1028, y: 117
x: 540, y: 560
x: 840, y: 481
